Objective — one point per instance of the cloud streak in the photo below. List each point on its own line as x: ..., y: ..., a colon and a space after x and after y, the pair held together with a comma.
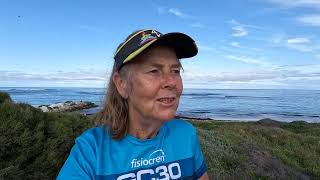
x: 238, y: 29
x: 198, y: 25
x: 247, y: 60
x: 301, y: 44
x: 81, y: 75
x: 235, y: 44
x: 288, y: 76
x: 310, y: 20
x: 173, y: 11
x: 298, y: 3
x: 176, y: 12
x: 285, y: 76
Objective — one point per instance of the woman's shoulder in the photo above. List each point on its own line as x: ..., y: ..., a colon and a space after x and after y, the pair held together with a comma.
x: 180, y: 125
x: 93, y: 135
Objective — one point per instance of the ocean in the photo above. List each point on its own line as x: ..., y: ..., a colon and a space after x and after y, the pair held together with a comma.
x: 221, y: 104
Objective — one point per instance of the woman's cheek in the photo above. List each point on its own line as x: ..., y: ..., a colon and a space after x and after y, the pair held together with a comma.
x: 179, y: 85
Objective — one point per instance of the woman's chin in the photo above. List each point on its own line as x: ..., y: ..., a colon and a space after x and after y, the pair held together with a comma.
x: 167, y: 116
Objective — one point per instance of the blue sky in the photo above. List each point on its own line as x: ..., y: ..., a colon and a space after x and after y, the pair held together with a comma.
x: 242, y: 43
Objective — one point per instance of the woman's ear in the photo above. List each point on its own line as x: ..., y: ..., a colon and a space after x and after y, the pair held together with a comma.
x: 121, y: 84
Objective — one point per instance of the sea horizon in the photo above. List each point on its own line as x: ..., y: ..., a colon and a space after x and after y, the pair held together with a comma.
x: 223, y: 104
x: 2, y: 87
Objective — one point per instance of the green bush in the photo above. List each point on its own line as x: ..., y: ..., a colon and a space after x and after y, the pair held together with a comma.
x: 4, y: 96
x: 35, y: 144
x: 253, y: 150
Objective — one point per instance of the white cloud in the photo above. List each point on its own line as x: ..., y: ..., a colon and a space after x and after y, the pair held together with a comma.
x: 235, y: 44
x: 173, y: 11
x: 305, y: 76
x: 307, y: 70
x: 298, y: 3
x: 176, y: 12
x: 241, y: 76
x: 197, y: 25
x: 62, y: 76
x: 310, y: 20
x: 301, y: 44
x: 247, y: 60
x: 298, y: 40
x: 301, y: 48
x: 237, y: 48
x: 239, y: 31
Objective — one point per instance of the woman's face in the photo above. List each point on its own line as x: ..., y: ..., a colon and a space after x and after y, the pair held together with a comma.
x: 155, y: 85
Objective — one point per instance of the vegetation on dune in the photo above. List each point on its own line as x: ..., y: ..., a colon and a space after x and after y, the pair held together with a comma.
x: 34, y: 145
x: 252, y: 149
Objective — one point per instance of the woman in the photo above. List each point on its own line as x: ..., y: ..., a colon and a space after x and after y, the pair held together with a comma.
x: 138, y: 137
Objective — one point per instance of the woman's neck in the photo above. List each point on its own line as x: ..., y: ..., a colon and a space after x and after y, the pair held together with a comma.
x: 143, y: 129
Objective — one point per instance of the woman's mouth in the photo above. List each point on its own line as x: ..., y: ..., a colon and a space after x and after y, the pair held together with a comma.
x: 167, y: 100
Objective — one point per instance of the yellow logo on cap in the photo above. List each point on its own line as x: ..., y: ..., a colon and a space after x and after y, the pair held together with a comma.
x: 146, y: 37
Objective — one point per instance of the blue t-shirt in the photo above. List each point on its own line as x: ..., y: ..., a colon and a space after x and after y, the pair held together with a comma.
x: 174, y: 153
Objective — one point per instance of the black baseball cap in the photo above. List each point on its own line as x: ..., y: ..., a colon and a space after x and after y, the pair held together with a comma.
x: 140, y: 40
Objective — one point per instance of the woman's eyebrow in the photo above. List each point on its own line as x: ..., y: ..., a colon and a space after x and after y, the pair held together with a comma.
x: 176, y: 65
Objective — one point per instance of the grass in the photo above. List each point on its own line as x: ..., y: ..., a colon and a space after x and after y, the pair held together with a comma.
x: 249, y: 149
x: 34, y: 145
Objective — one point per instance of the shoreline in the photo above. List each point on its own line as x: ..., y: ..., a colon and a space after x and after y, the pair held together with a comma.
x: 89, y: 113
x: 202, y: 104
x: 199, y: 119
x: 234, y: 118
x: 220, y: 115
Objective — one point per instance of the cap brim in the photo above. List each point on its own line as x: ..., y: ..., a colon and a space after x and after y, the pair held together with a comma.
x: 184, y: 45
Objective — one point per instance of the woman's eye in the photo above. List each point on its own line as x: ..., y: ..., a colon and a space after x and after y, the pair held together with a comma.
x: 154, y: 71
x: 176, y: 71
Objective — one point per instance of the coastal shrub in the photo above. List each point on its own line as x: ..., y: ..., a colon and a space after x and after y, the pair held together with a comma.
x: 302, y: 127
x: 258, y: 150
x: 4, y: 96
x: 34, y: 144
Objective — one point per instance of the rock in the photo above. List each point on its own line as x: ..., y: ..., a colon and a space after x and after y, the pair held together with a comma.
x: 269, y: 122
x: 43, y: 108
x: 193, y: 118
x: 67, y: 106
x: 299, y: 122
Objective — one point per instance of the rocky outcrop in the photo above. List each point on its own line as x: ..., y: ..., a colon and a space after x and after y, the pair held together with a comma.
x: 270, y: 122
x: 67, y: 106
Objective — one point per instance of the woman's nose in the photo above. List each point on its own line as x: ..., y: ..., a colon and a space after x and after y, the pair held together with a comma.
x: 169, y: 81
